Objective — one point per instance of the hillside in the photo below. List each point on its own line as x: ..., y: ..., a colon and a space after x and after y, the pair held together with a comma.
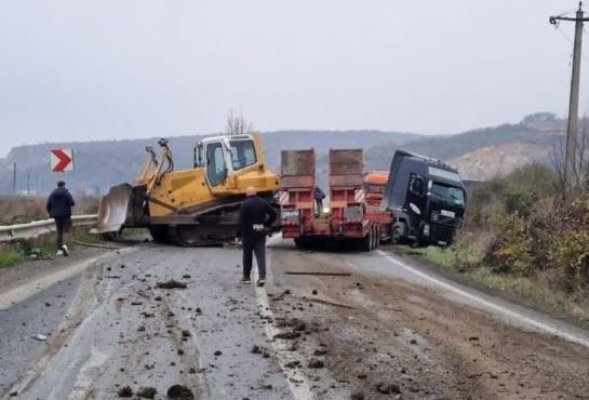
x: 99, y: 165
x: 453, y: 146
x: 499, y: 160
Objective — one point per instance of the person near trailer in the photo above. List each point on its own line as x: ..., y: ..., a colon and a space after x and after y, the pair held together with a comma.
x: 319, y: 196
x: 256, y: 216
x: 59, y: 207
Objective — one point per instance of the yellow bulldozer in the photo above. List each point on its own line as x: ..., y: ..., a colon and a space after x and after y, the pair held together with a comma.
x: 193, y: 207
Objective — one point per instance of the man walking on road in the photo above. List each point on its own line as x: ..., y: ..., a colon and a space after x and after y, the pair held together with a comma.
x: 59, y: 207
x: 256, y: 216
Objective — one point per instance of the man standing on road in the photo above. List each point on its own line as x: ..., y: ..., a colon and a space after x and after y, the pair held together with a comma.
x: 256, y: 216
x: 59, y: 207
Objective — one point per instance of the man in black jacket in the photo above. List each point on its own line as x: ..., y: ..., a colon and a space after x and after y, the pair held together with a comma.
x: 256, y: 216
x: 59, y: 207
x: 319, y: 196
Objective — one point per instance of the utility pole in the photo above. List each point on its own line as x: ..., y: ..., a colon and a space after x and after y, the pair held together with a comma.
x: 571, y: 140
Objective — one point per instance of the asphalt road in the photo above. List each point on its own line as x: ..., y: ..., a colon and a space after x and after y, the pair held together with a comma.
x: 384, y: 328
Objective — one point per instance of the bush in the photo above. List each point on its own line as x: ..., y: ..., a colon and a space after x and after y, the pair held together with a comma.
x: 511, y: 250
x: 515, y: 193
x: 569, y: 253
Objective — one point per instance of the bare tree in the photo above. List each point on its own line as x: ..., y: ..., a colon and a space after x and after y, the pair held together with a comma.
x: 582, y: 157
x: 557, y: 160
x: 237, y: 124
x: 580, y: 178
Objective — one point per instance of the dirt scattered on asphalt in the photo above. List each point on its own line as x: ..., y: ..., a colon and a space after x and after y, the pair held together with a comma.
x: 395, y: 340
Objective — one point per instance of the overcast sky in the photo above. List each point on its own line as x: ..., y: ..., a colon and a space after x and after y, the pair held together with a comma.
x: 104, y: 69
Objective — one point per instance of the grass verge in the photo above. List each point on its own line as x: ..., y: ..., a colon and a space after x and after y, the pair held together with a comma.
x: 535, y: 290
x: 10, y: 258
x: 41, y: 248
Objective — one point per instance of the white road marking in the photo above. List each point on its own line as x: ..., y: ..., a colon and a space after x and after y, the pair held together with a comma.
x: 541, y: 326
x: 26, y: 290
x: 297, y: 381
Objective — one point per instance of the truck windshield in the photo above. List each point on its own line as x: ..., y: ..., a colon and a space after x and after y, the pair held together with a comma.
x: 243, y: 154
x: 444, y: 173
x: 448, y: 194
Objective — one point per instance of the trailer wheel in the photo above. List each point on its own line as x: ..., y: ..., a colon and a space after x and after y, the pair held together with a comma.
x: 366, y: 242
x: 300, y: 243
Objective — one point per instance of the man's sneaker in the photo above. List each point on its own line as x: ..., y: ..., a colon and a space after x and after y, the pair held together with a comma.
x: 245, y: 280
x: 59, y: 252
x: 65, y: 250
x: 261, y: 282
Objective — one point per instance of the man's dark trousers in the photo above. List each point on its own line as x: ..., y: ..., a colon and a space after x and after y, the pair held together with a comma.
x: 256, y: 245
x: 62, y: 227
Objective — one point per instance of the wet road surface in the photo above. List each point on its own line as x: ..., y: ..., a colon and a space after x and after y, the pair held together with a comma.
x: 380, y: 332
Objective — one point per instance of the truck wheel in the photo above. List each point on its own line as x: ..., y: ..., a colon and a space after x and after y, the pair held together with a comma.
x: 397, y: 232
x: 377, y: 237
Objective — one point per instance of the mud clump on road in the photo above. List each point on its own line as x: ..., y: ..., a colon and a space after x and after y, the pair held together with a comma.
x: 287, y: 335
x: 357, y: 396
x: 296, y: 324
x: 125, y: 391
x: 320, y: 352
x: 171, y: 284
x: 293, y: 364
x: 179, y: 392
x: 147, y: 392
x: 387, y: 388
x: 316, y: 364
x: 256, y: 350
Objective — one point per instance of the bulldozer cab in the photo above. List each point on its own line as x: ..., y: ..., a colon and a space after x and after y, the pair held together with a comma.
x: 221, y: 156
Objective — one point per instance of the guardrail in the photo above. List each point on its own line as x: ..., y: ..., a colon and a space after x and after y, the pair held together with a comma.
x: 38, y: 228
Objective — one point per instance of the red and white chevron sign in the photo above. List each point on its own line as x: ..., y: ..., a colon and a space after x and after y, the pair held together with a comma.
x: 359, y: 196
x: 283, y: 198
x: 62, y: 160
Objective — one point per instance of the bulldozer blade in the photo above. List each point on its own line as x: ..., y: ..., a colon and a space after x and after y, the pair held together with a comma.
x: 113, y: 209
